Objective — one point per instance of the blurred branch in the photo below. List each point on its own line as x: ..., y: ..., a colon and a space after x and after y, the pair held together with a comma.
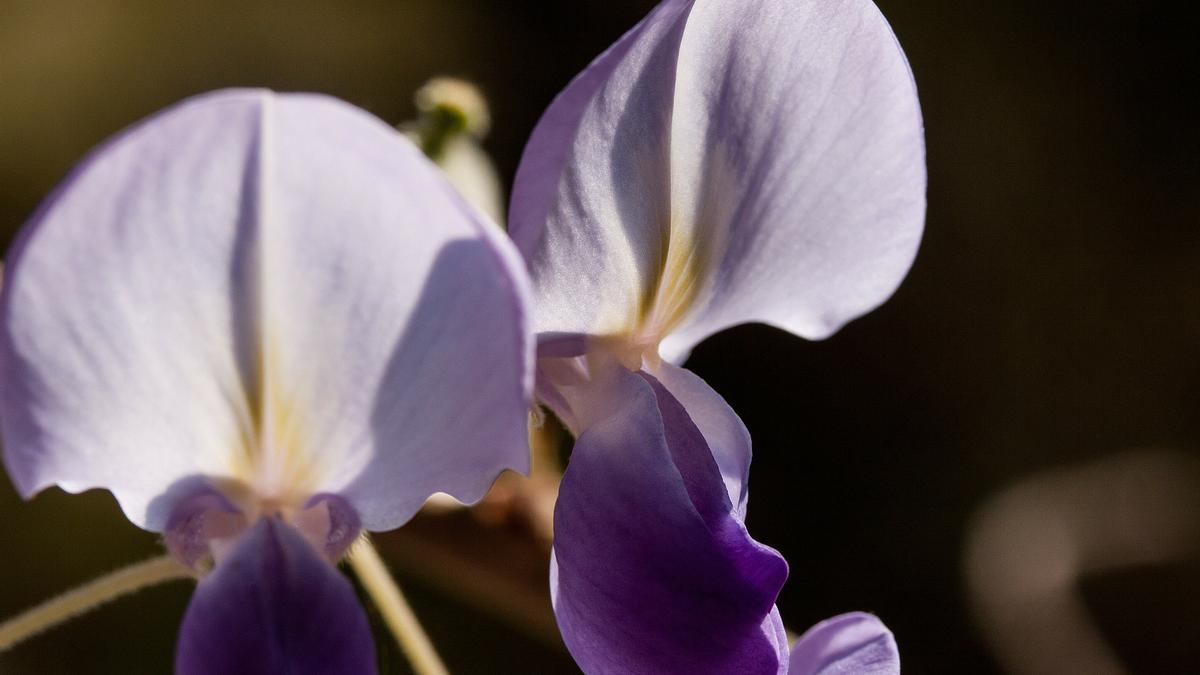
x: 496, y: 570
x: 89, y: 596
x: 399, y: 616
x: 1029, y: 545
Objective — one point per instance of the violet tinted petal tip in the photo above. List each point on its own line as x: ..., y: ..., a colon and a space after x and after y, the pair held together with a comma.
x: 274, y: 606
x: 848, y: 643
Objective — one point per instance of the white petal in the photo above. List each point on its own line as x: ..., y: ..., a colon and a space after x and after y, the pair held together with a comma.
x: 592, y: 190
x: 274, y: 289
x: 724, y: 163
x: 797, y: 151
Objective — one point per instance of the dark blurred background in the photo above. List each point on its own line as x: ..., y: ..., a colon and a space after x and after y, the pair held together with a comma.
x: 1052, y: 318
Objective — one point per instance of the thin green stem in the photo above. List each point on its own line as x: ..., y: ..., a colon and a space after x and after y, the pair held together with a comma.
x: 400, y: 619
x: 88, y: 597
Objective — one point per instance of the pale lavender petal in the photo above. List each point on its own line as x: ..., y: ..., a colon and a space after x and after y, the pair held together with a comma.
x: 740, y: 162
x: 274, y: 606
x: 798, y: 151
x: 277, y: 289
x: 854, y: 643
x: 593, y: 185
x: 549, y: 150
x: 118, y: 364
x: 652, y: 571
x: 775, y: 631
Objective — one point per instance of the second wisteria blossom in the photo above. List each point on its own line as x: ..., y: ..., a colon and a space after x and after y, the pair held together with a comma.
x: 723, y: 162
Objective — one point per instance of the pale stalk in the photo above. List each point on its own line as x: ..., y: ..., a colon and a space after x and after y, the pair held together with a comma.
x: 88, y: 597
x: 400, y: 619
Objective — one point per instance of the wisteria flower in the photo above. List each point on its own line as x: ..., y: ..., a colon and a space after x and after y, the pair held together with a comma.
x: 724, y: 162
x: 264, y: 322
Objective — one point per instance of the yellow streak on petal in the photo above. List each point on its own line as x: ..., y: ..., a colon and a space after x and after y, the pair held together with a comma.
x: 668, y: 296
x: 679, y: 284
x: 273, y: 453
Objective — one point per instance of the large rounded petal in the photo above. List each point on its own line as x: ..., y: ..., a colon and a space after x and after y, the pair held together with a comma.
x: 848, y: 643
x: 593, y: 189
x: 652, y: 570
x: 798, y: 150
x: 274, y: 606
x: 741, y: 162
x: 276, y: 289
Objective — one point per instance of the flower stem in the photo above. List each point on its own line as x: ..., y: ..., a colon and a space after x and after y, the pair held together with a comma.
x: 88, y: 597
x: 400, y: 619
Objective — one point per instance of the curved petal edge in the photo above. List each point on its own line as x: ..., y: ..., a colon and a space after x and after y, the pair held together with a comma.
x: 856, y: 642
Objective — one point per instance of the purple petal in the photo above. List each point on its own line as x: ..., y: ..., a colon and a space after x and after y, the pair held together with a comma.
x: 653, y: 571
x: 740, y: 162
x: 726, y: 436
x: 276, y: 289
x: 274, y: 606
x: 849, y: 643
